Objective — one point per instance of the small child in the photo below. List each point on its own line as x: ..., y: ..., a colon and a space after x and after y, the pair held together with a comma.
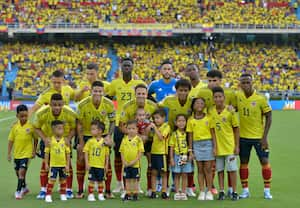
x: 96, y: 155
x: 22, y: 138
x: 201, y: 146
x: 58, y: 152
x: 159, y: 151
x: 225, y: 134
x: 180, y: 163
x: 131, y: 150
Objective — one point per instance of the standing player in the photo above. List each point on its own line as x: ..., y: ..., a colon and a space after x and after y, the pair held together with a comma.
x: 57, y: 86
x: 22, y: 138
x: 255, y: 122
x: 94, y: 107
x: 84, y: 88
x: 122, y: 90
x: 166, y: 85
x: 57, y: 151
x: 42, y: 124
x: 192, y: 72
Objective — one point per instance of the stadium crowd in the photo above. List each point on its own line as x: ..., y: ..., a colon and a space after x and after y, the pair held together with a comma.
x: 46, y: 12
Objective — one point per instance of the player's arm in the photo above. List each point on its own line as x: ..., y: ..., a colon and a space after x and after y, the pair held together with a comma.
x: 86, y: 157
x: 123, y: 160
x: 33, y: 109
x: 214, y: 140
x: 264, y: 141
x: 190, y: 144
x: 47, y: 153
x: 41, y: 134
x: 138, y: 157
x: 68, y: 160
x: 79, y: 92
x: 236, y: 132
x: 9, y: 148
x: 157, y: 132
x: 35, y: 143
x: 70, y: 136
x: 79, y: 129
x: 172, y: 162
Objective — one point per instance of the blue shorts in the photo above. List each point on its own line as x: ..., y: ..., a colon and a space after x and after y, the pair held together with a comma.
x: 131, y: 173
x: 147, y: 146
x: 41, y: 149
x: 61, y: 171
x: 203, y: 150
x: 246, y: 147
x: 159, y: 162
x: 118, y: 136
x: 21, y: 163
x: 185, y: 168
x: 96, y: 174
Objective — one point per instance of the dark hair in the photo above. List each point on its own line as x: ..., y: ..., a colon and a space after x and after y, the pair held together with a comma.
x: 159, y: 111
x: 97, y: 84
x: 214, y: 73
x: 56, y: 96
x: 217, y: 89
x: 56, y: 122
x: 167, y: 61
x: 194, y: 101
x: 21, y: 108
x: 183, y: 83
x: 179, y: 115
x: 99, y: 124
x: 131, y: 122
x: 58, y: 73
x: 140, y: 86
x: 193, y: 64
x: 92, y: 66
x: 246, y: 75
x: 127, y: 59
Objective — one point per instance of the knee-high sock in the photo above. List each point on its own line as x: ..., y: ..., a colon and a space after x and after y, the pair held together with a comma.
x: 70, y: 178
x: 267, y: 175
x: 244, y: 174
x: 100, y: 187
x: 43, y: 175
x: 50, y: 187
x: 80, y: 176
x: 63, y: 185
x: 91, y: 187
x: 149, y: 178
x: 108, y: 179
x: 118, y: 168
x: 190, y: 180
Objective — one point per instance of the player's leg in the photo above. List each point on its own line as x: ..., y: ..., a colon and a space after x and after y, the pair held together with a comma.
x: 63, y: 184
x: 154, y: 173
x: 91, y: 182
x: 220, y: 165
x: 69, y: 191
x: 190, y: 184
x: 24, y: 189
x: 176, y: 183
x: 100, y: 178
x: 50, y: 184
x: 184, y: 182
x: 135, y: 188
x: 118, y: 136
x: 149, y: 175
x: 108, y: 179
x: 208, y: 179
x: 80, y: 172
x: 231, y: 163
x: 213, y: 170
x: 18, y: 194
x: 43, y: 172
x: 245, y: 150
x: 200, y: 177
x: 266, y: 169
x: 164, y: 194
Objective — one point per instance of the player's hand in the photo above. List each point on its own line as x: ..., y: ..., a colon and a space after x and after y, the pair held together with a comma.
x: 237, y: 150
x: 231, y: 108
x: 33, y: 154
x: 87, y: 167
x: 172, y: 163
x: 105, y: 168
x: 47, y: 142
x: 191, y: 156
x: 85, y: 88
x: 67, y: 170
x: 8, y: 157
x: 264, y: 144
x: 79, y: 147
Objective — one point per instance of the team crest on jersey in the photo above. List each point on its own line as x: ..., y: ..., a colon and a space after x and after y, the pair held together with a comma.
x: 28, y: 130
x: 62, y: 145
x: 103, y: 113
x: 253, y: 103
x: 206, y: 123
x: 224, y: 119
x: 67, y: 95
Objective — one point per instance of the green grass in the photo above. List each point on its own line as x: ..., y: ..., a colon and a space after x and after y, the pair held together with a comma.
x: 284, y: 143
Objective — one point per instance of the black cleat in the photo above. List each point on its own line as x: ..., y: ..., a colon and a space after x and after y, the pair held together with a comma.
x: 153, y: 195
x: 235, y: 196
x: 221, y: 195
x: 135, y: 197
x: 164, y: 195
x: 126, y: 198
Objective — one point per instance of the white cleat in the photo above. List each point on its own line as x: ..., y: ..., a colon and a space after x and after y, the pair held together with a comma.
x: 101, y: 197
x: 48, y: 199
x: 201, y: 196
x: 63, y: 197
x: 209, y: 196
x: 91, y: 198
x: 119, y: 187
x: 190, y: 192
x: 177, y: 196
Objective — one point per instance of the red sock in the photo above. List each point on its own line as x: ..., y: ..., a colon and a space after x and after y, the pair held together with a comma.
x: 149, y: 178
x: 229, y: 180
x: 63, y: 185
x: 190, y: 180
x: 267, y: 175
x: 108, y: 179
x: 70, y: 178
x: 244, y: 174
x: 100, y: 187
x: 49, y: 187
x: 91, y: 187
x: 80, y: 176
x: 43, y: 175
x: 118, y: 168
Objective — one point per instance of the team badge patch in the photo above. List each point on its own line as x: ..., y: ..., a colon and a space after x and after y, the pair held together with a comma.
x: 27, y: 130
x: 103, y: 113
x: 253, y: 103
x: 224, y: 119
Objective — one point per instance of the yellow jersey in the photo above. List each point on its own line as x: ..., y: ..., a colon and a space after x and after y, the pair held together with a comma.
x: 161, y: 146
x: 87, y: 112
x: 199, y: 127
x: 85, y: 83
x: 251, y: 112
x: 130, y: 108
x: 130, y: 148
x: 67, y: 93
x: 22, y: 138
x: 178, y: 141
x: 223, y: 124
x: 195, y: 90
x: 58, y: 151
x: 97, y: 151
x: 174, y: 108
x: 123, y: 92
x: 44, y: 116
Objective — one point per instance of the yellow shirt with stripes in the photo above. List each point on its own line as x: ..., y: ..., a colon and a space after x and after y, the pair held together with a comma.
x: 161, y: 146
x: 251, y: 112
x: 58, y: 151
x: 199, y: 127
x: 97, y: 151
x: 130, y: 148
x: 22, y: 137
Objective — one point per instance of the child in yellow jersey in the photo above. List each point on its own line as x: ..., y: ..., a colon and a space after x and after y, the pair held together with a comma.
x: 131, y: 150
x: 159, y: 151
x: 58, y: 153
x: 180, y: 163
x: 201, y: 146
x: 96, y: 155
x: 24, y: 142
x: 225, y: 132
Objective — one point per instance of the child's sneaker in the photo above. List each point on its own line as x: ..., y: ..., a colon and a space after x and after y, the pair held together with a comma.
x: 119, y: 187
x: 164, y: 195
x: 149, y: 193
x: 158, y: 187
x: 109, y: 195
x: 209, y: 196
x: 135, y: 197
x: 91, y: 198
x: 177, y: 196
x: 24, y: 191
x: 126, y: 198
x: 153, y: 195
x: 201, y: 196
x: 190, y: 192
x: 41, y: 195
x: 245, y: 194
x: 101, y: 197
x: 267, y: 194
x: 234, y: 196
x: 48, y: 198
x: 183, y: 196
x: 69, y: 194
x: 18, y: 195
x: 214, y: 191
x: 221, y: 195
x: 80, y: 195
x: 123, y: 194
x: 63, y: 197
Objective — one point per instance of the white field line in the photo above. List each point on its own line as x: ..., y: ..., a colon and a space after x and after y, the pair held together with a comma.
x: 7, y: 118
